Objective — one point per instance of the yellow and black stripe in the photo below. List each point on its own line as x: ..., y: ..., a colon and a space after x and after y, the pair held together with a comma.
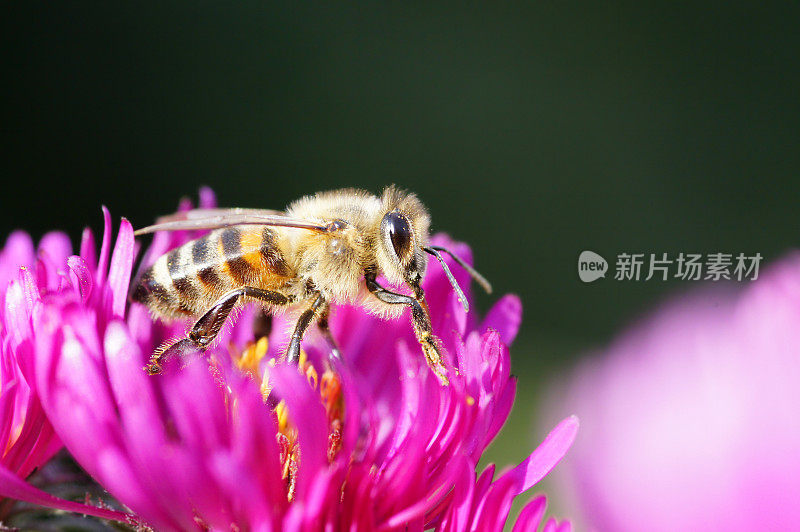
x: 187, y: 280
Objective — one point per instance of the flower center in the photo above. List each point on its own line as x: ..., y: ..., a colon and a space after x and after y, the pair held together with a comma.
x: 329, y: 387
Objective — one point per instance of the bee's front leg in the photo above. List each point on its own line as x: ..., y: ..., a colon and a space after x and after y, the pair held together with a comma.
x: 419, y: 318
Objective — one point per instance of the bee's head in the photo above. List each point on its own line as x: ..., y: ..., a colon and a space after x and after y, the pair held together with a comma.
x: 402, y: 234
x: 402, y: 246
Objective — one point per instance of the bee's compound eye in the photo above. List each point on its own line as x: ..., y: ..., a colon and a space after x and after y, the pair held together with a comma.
x: 399, y: 231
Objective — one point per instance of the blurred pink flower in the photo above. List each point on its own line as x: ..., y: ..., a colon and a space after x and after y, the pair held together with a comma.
x: 27, y: 439
x: 377, y: 445
x: 690, y: 421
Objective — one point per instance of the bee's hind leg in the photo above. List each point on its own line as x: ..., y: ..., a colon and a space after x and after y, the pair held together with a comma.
x: 206, y: 329
x: 178, y: 348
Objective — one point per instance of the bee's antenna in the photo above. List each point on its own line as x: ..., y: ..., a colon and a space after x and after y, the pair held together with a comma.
x: 480, y: 279
x: 459, y: 293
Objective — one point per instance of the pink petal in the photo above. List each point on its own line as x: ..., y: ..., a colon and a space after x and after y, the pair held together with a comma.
x: 82, y: 277
x: 35, y: 445
x: 247, y: 496
x: 308, y: 415
x: 492, y: 511
x: 112, y: 467
x: 505, y: 318
x: 18, y: 251
x: 88, y: 252
x: 463, y: 497
x: 57, y: 246
x: 353, y: 409
x: 435, y: 490
x: 18, y: 309
x: 484, y: 481
x: 531, y: 515
x: 131, y: 386
x: 105, y: 247
x: 550, y: 526
x: 457, y: 316
x: 119, y: 274
x: 14, y: 487
x: 502, y: 408
x: 545, y: 457
x: 208, y: 200
x: 197, y: 407
x: 71, y: 383
x: 254, y: 442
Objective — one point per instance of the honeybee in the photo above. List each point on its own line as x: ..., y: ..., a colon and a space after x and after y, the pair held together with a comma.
x: 314, y: 254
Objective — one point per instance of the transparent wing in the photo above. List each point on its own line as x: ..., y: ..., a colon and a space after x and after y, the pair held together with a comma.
x: 217, y: 218
x: 196, y: 214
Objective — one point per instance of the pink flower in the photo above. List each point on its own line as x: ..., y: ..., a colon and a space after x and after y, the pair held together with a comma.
x: 690, y: 420
x: 235, y: 441
x: 27, y: 439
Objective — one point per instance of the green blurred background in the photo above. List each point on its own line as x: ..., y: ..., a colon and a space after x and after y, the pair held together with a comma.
x: 531, y: 132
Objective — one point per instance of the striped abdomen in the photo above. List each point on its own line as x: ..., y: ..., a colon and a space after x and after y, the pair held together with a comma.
x: 189, y: 279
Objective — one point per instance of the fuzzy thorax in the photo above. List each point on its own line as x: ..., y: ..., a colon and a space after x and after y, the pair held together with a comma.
x: 334, y: 263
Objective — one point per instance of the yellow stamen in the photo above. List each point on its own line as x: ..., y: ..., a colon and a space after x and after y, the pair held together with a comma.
x: 14, y: 436
x: 329, y: 387
x: 252, y: 356
x: 283, y: 416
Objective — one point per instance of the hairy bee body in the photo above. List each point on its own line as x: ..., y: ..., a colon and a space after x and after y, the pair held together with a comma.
x: 326, y: 248
x: 189, y: 279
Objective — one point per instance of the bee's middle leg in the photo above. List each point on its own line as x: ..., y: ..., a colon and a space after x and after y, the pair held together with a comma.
x: 305, y: 319
x: 334, y: 354
x: 206, y: 329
